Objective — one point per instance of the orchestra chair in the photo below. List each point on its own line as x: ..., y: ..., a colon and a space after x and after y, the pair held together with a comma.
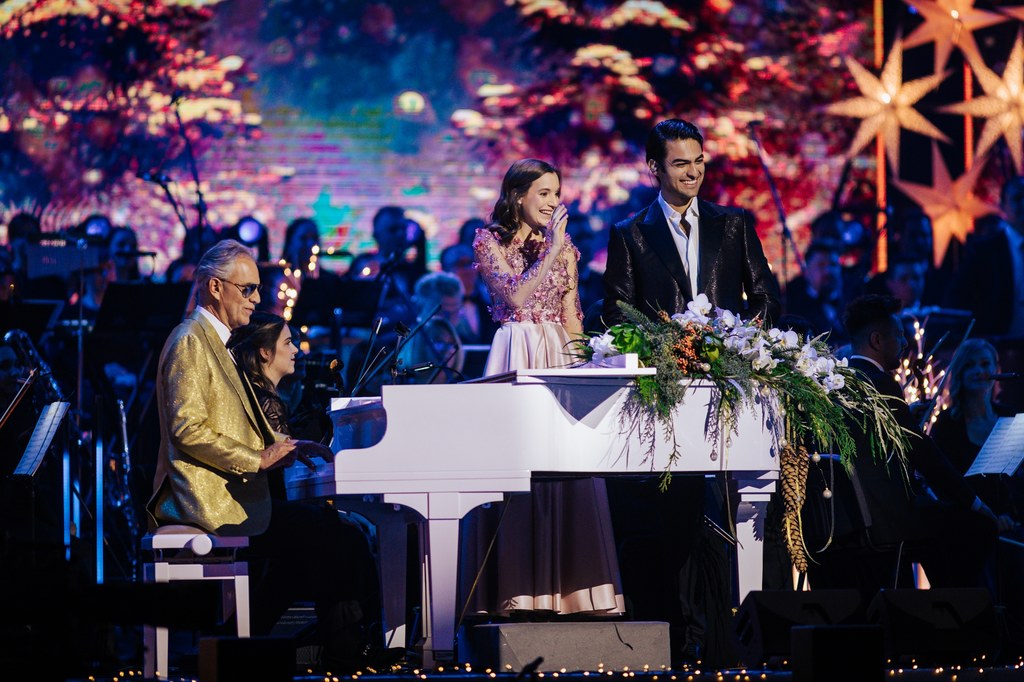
x: 178, y: 552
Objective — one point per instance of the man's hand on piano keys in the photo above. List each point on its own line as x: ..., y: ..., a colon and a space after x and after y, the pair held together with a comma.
x: 281, y: 453
x: 306, y: 450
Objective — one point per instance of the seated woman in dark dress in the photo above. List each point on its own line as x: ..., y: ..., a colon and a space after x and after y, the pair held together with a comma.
x: 265, y: 352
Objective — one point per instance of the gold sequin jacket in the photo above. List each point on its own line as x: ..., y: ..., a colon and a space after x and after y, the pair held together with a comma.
x: 211, y: 436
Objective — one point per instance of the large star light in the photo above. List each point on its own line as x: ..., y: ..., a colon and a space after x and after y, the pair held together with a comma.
x: 949, y: 23
x: 886, y: 105
x: 1002, y: 105
x: 951, y: 205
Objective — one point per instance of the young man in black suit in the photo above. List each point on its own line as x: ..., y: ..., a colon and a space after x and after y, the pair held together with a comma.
x: 659, y: 260
x: 681, y: 246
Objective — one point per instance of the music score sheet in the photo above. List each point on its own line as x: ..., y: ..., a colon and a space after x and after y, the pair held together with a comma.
x: 1003, y: 450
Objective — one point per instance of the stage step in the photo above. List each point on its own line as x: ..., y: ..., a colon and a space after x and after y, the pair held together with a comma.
x: 607, y: 645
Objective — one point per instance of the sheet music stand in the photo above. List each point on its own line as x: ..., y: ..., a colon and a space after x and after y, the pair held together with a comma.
x: 42, y: 437
x: 1003, y: 450
x: 132, y: 308
x: 359, y: 301
x: 34, y: 317
x: 60, y: 258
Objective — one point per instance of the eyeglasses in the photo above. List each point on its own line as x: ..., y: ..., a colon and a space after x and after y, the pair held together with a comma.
x: 247, y: 290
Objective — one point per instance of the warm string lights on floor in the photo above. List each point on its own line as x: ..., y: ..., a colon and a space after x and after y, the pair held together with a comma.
x: 979, y: 668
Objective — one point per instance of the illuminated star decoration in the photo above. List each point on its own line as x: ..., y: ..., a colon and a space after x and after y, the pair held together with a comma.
x: 1002, y: 105
x: 886, y: 105
x: 950, y: 23
x: 951, y: 205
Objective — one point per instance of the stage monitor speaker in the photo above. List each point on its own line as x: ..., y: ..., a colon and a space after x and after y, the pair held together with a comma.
x: 235, y: 659
x: 765, y: 617
x: 936, y: 625
x: 837, y: 653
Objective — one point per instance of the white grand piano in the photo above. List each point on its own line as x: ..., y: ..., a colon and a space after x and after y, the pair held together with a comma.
x: 441, y: 450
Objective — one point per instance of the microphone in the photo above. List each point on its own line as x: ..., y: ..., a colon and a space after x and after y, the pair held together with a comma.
x: 1006, y: 376
x: 756, y: 123
x: 337, y: 377
x: 158, y: 178
x: 177, y: 95
x: 136, y: 252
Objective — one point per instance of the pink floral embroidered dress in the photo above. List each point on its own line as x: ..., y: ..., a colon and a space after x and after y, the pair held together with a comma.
x: 532, y: 335
x: 555, y: 550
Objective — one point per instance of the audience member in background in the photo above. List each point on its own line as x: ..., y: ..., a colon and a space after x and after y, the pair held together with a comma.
x: 124, y: 252
x: 938, y: 517
x: 585, y: 240
x: 434, y: 353
x: 555, y: 551
x: 910, y: 276
x: 856, y: 249
x: 401, y: 251
x: 990, y: 282
x: 475, y: 324
x: 905, y: 281
x: 467, y: 231
x: 301, y: 244
x: 817, y: 295
x: 195, y: 243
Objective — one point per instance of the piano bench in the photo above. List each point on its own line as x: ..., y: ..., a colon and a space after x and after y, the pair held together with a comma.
x: 187, y: 553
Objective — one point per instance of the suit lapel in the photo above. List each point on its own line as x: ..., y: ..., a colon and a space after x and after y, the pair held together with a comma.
x: 227, y: 365
x: 658, y: 236
x: 712, y: 233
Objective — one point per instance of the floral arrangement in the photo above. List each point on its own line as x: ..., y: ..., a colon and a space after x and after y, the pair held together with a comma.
x: 819, y: 398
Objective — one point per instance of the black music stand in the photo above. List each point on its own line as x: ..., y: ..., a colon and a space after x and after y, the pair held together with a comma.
x: 359, y: 300
x: 32, y: 317
x: 146, y: 308
x: 130, y: 329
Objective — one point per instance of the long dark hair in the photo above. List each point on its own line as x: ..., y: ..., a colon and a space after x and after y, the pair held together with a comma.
x: 262, y: 332
x: 508, y: 214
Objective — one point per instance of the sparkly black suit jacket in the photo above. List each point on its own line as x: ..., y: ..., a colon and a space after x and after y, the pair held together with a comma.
x: 645, y: 269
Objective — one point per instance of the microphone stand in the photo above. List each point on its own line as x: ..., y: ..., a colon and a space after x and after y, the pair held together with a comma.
x: 787, y: 236
x: 391, y: 357
x: 200, y: 200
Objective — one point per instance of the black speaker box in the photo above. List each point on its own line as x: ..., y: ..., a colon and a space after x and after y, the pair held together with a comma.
x: 765, y: 617
x: 837, y: 653
x: 234, y: 659
x: 937, y: 625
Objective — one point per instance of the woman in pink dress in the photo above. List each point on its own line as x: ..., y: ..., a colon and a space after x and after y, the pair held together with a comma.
x: 530, y: 267
x: 555, y: 550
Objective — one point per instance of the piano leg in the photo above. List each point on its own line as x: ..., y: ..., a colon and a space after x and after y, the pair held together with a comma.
x: 439, y: 545
x: 750, y: 513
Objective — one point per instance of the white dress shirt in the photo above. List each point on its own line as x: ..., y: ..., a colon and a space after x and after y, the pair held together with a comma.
x: 687, y: 245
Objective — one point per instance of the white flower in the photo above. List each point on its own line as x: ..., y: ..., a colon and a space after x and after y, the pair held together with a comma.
x: 700, y: 304
x: 824, y: 365
x: 834, y: 382
x: 764, y: 359
x: 603, y: 346
x: 729, y: 319
x: 807, y: 360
